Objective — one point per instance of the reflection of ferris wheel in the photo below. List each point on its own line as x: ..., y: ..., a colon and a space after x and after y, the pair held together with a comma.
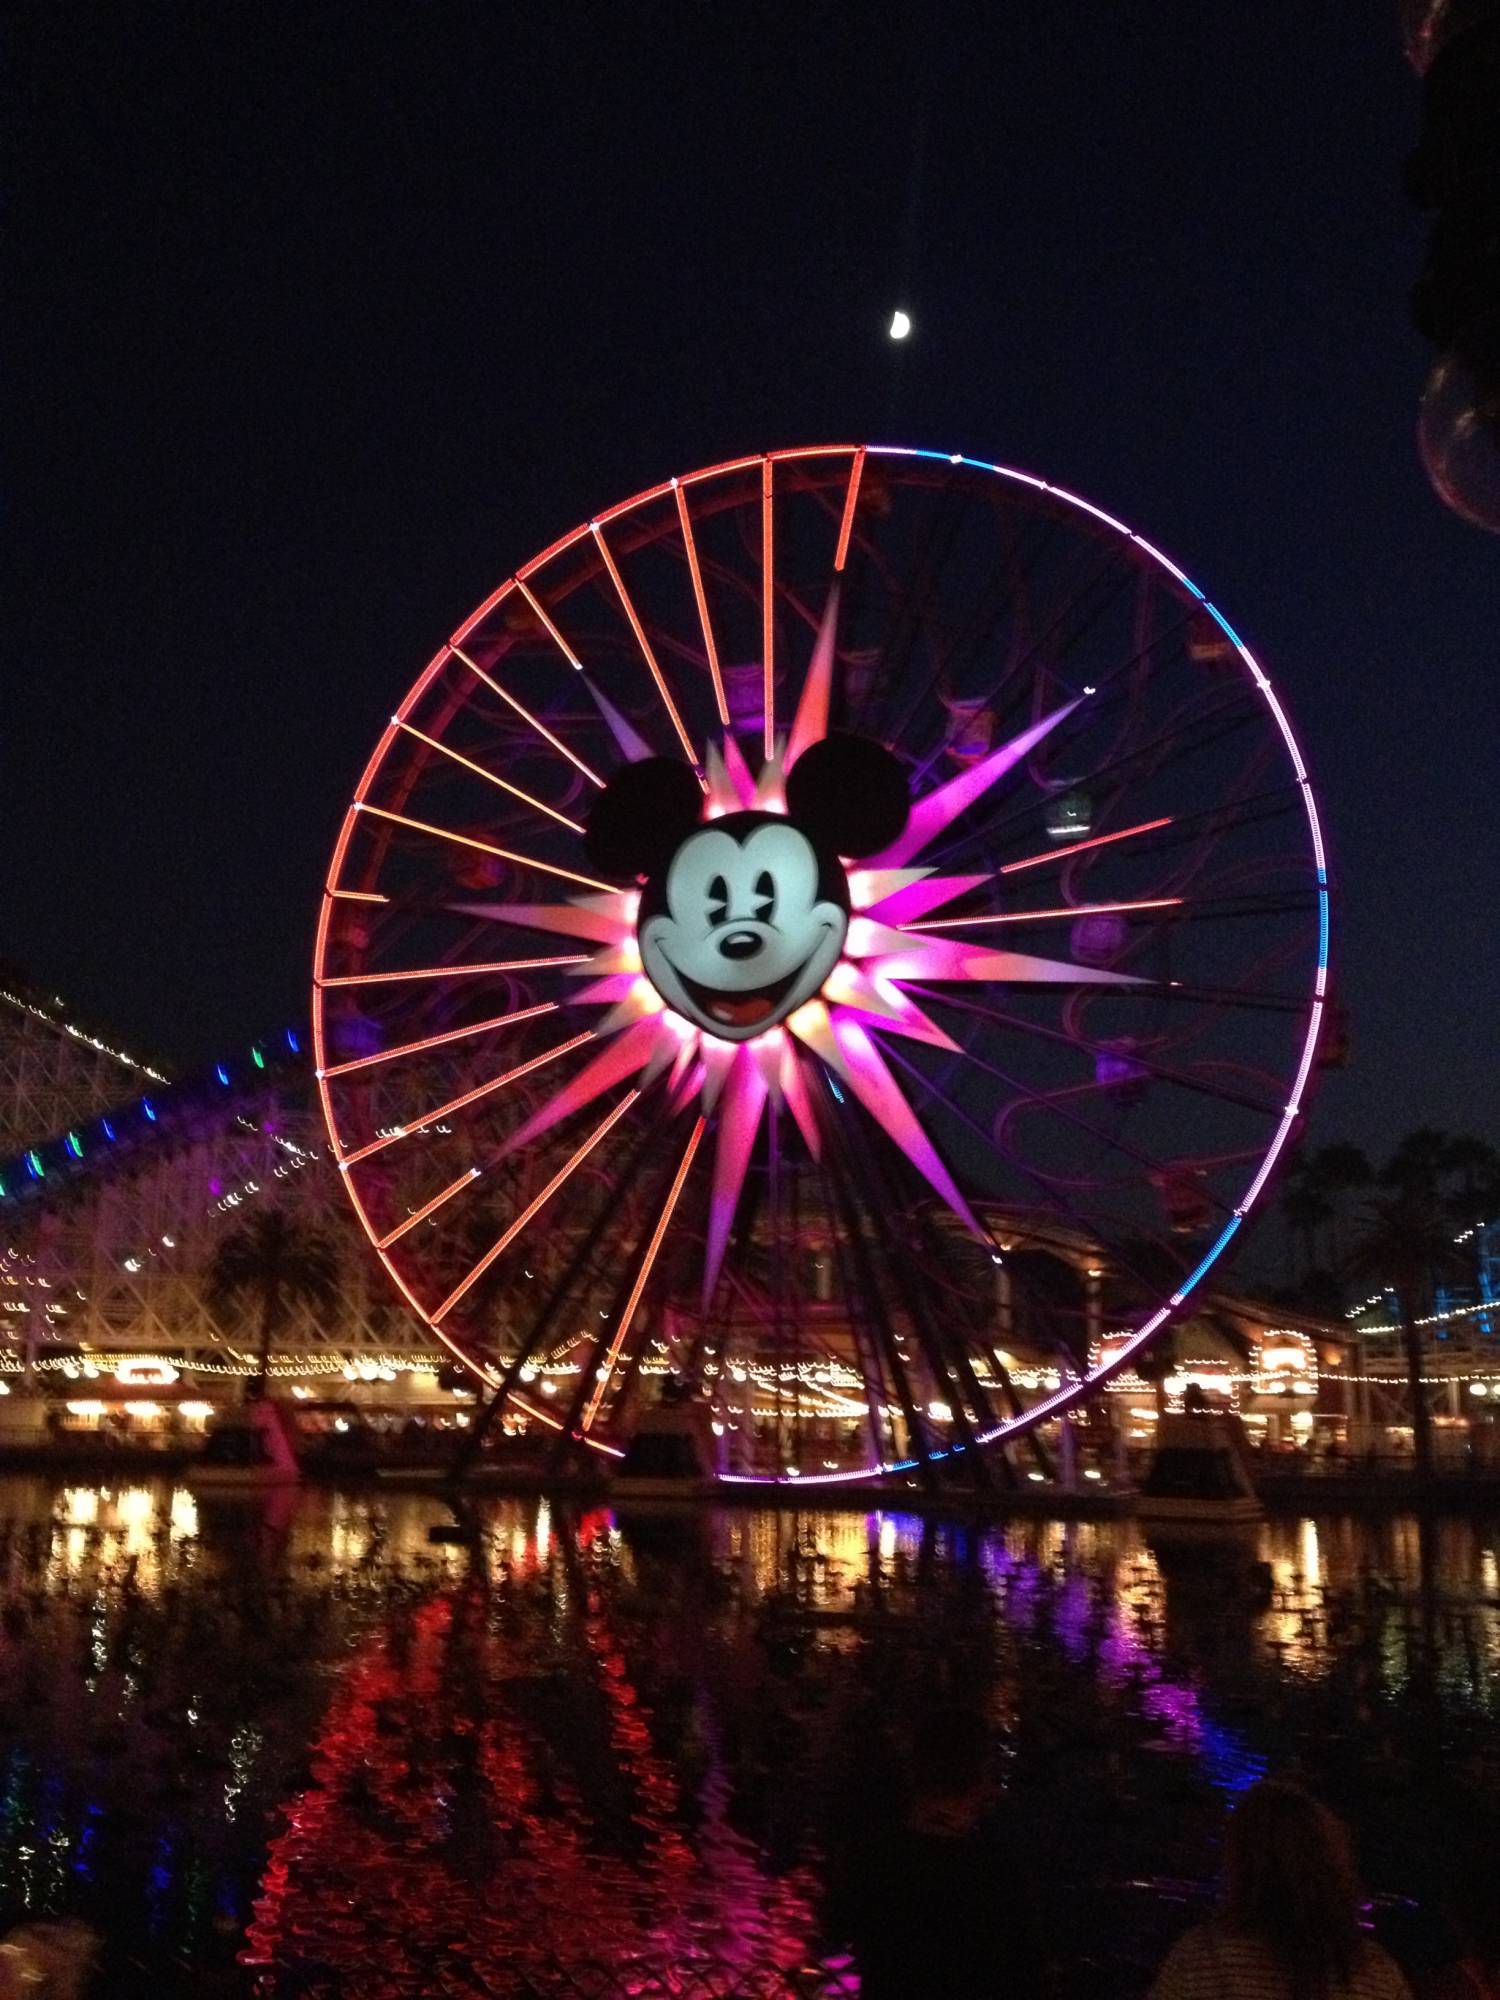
x: 805, y: 888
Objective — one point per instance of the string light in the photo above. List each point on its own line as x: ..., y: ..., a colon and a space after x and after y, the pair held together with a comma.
x: 82, y: 1035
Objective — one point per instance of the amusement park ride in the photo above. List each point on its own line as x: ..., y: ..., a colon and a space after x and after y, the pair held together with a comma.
x: 786, y: 895
x: 822, y: 964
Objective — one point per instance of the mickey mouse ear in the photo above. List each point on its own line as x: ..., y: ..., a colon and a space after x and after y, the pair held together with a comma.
x: 642, y: 816
x: 849, y: 793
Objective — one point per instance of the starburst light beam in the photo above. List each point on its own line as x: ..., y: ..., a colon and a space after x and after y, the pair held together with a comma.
x: 883, y: 1098
x: 620, y: 1057
x: 739, y: 1121
x: 603, y: 926
x: 900, y: 896
x: 945, y: 958
x: 630, y: 743
x: 810, y: 723
x: 935, y: 812
x: 794, y: 1090
x: 885, y: 1004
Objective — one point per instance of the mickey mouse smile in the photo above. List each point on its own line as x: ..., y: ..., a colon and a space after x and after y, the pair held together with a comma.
x: 740, y: 1010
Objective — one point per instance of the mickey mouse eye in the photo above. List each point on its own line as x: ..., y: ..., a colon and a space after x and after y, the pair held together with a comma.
x: 765, y: 896
x: 718, y: 900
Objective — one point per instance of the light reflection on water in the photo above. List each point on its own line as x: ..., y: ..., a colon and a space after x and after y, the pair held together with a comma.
x: 253, y: 1737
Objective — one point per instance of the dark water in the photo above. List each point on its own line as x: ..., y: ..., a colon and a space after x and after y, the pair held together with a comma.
x: 289, y: 1746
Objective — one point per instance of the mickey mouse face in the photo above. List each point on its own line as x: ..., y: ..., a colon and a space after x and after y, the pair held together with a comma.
x: 745, y: 936
x: 742, y: 920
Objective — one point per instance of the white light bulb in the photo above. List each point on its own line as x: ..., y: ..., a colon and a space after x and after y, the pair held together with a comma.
x: 900, y: 325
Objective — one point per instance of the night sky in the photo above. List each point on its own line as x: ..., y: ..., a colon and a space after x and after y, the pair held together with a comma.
x: 321, y: 319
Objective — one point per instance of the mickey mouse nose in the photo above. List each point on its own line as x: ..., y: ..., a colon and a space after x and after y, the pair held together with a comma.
x: 741, y: 944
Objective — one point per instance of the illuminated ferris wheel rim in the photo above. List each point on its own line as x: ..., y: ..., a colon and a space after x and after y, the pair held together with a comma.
x: 677, y: 487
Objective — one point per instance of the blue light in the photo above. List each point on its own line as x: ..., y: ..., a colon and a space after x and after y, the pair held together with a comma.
x: 75, y: 1145
x: 1322, y: 924
x: 292, y: 1043
x: 109, y: 1130
x: 833, y: 1086
x: 149, y: 1109
x: 1233, y: 1224
x: 1214, y: 612
x: 222, y: 1074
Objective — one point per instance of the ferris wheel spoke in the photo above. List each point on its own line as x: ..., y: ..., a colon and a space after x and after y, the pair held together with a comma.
x: 460, y: 1103
x: 498, y: 965
x: 873, y: 1292
x: 532, y: 721
x: 440, y: 1041
x: 490, y: 777
x: 878, y: 1391
x: 993, y: 831
x: 632, y: 1303
x: 482, y: 846
x: 1275, y: 803
x: 1060, y: 854
x: 1060, y: 1037
x: 1043, y: 649
x: 1229, y: 996
x: 1048, y: 1188
x: 851, y: 501
x: 1192, y: 909
x: 1066, y: 910
x: 589, y: 1237
x: 465, y: 1179
x: 647, y: 652
x: 947, y: 1360
x: 504, y: 1241
x: 710, y: 649
x: 1049, y: 1102
x: 768, y: 607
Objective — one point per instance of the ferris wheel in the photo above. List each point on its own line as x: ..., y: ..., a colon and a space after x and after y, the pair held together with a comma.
x: 830, y: 927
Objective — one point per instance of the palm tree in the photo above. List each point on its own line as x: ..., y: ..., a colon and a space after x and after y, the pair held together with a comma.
x: 279, y: 1263
x: 1311, y: 1204
x: 1475, y: 1165
x: 1307, y: 1210
x: 1404, y: 1246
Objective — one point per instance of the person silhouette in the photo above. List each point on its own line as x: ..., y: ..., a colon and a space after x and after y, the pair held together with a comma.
x: 1290, y: 1928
